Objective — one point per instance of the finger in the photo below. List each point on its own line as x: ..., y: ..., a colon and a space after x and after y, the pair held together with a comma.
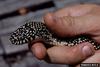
x: 93, y: 59
x: 39, y: 50
x: 70, y: 55
x: 71, y: 26
x: 76, y: 10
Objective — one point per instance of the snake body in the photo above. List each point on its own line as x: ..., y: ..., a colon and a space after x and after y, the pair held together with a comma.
x: 35, y: 30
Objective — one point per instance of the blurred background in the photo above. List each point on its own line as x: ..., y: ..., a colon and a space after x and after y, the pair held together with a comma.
x: 13, y: 13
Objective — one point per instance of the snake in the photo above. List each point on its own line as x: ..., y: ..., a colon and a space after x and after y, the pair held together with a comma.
x: 38, y: 31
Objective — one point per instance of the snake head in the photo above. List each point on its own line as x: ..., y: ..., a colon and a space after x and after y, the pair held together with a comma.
x: 24, y: 34
x: 32, y: 30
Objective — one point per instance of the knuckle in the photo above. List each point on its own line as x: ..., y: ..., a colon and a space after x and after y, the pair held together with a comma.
x: 69, y: 20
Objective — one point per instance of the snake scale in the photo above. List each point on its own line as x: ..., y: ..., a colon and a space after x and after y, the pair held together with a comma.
x: 37, y: 30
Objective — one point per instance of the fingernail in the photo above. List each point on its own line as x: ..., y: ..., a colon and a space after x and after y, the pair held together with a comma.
x: 87, y: 51
x: 36, y: 50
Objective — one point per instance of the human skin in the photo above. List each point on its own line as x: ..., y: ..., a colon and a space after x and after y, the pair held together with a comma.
x: 72, y: 21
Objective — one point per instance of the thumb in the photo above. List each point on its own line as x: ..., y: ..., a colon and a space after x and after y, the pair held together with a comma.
x: 71, y: 26
x: 70, y: 55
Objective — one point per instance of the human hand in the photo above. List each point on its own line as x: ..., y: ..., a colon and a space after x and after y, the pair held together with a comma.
x: 71, y: 21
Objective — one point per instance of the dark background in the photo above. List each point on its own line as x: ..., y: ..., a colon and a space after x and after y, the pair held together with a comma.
x: 13, y: 13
